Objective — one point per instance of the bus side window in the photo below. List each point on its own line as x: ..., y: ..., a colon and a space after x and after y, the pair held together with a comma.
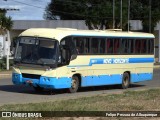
x: 110, y: 43
x: 101, y: 46
x: 97, y: 45
x: 67, y: 50
x: 116, y: 45
x: 82, y: 45
x: 94, y: 45
x: 124, y: 46
x: 86, y: 45
x: 144, y: 46
x: 137, y: 46
x: 150, y: 46
x: 130, y: 46
x: 77, y: 44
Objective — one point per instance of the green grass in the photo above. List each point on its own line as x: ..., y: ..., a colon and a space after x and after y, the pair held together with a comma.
x: 130, y: 100
x: 146, y: 100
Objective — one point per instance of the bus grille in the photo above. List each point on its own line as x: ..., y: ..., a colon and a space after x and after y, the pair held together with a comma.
x: 32, y: 76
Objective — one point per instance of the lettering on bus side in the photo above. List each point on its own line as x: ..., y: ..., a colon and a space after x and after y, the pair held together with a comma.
x: 110, y: 61
x: 107, y: 61
x: 115, y: 61
x: 120, y: 61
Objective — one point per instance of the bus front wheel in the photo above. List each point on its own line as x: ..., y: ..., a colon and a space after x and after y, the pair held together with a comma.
x: 125, y: 80
x: 74, y: 85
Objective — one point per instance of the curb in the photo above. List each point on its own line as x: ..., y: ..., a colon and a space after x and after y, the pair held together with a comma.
x: 6, y: 74
x: 2, y: 76
x: 156, y: 66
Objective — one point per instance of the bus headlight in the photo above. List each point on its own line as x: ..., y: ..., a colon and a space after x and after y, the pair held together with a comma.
x: 46, y: 79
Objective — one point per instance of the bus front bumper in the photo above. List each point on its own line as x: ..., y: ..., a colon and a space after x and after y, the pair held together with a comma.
x: 44, y: 82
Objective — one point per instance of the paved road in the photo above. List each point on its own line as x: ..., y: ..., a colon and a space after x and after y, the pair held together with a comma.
x: 11, y: 94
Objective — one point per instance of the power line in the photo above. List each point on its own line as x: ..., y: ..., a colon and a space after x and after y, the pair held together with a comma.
x: 81, y: 14
x: 64, y: 11
x: 60, y: 11
x: 87, y: 4
x: 29, y: 4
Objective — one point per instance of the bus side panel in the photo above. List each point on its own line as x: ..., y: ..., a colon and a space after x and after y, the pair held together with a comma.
x: 142, y: 74
x: 101, y: 80
x: 141, y: 77
x: 113, y: 79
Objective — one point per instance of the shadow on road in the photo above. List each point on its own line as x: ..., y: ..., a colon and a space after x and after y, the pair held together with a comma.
x: 30, y: 90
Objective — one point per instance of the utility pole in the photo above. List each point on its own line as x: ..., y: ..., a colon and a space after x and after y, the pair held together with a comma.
x: 121, y: 14
x: 150, y: 15
x: 8, y: 49
x: 128, y: 13
x: 113, y: 14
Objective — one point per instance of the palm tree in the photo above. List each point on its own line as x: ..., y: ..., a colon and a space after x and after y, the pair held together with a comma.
x: 6, y: 25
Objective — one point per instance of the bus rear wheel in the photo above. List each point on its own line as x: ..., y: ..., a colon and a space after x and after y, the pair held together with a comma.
x: 74, y: 85
x: 125, y: 80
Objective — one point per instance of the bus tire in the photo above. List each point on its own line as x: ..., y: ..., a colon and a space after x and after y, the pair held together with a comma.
x: 74, y: 85
x: 125, y: 80
x: 38, y: 89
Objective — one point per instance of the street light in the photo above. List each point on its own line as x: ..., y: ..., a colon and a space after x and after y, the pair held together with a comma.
x: 150, y: 14
x: 113, y: 14
x: 128, y: 13
x: 121, y: 15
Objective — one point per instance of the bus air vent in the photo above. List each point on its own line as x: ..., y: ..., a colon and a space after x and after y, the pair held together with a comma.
x: 32, y: 76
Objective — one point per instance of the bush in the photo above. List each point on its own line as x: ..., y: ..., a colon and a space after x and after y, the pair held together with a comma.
x: 3, y: 63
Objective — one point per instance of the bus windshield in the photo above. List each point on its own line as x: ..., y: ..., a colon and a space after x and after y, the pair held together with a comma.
x: 40, y: 51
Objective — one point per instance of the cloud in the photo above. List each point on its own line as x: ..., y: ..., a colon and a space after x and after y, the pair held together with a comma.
x: 27, y: 10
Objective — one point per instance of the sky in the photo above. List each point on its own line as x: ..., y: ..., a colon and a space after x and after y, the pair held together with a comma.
x: 28, y: 9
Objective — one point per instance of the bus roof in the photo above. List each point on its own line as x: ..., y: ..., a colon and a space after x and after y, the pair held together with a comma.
x: 60, y: 33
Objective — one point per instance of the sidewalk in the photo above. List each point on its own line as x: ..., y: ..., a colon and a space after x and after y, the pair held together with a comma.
x: 8, y: 74
x: 157, y: 65
x: 5, y: 74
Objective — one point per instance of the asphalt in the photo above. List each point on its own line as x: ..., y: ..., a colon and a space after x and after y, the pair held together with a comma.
x: 13, y: 94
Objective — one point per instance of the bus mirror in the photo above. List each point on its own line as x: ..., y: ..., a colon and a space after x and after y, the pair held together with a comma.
x: 73, y: 57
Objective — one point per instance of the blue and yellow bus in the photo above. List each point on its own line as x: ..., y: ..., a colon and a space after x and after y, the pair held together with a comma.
x: 70, y: 58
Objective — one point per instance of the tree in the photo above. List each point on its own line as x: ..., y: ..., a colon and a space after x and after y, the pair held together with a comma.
x: 98, y: 13
x: 65, y: 10
x: 5, y: 23
x: 140, y: 11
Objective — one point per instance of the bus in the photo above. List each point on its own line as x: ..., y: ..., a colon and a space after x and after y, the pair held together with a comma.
x: 65, y: 58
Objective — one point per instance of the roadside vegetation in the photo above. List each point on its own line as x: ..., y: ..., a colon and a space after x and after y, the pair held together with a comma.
x: 145, y: 100
x: 3, y: 64
x: 129, y: 100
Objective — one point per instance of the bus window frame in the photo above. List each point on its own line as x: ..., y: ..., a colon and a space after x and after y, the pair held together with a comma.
x: 120, y: 38
x: 72, y: 56
x: 49, y: 39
